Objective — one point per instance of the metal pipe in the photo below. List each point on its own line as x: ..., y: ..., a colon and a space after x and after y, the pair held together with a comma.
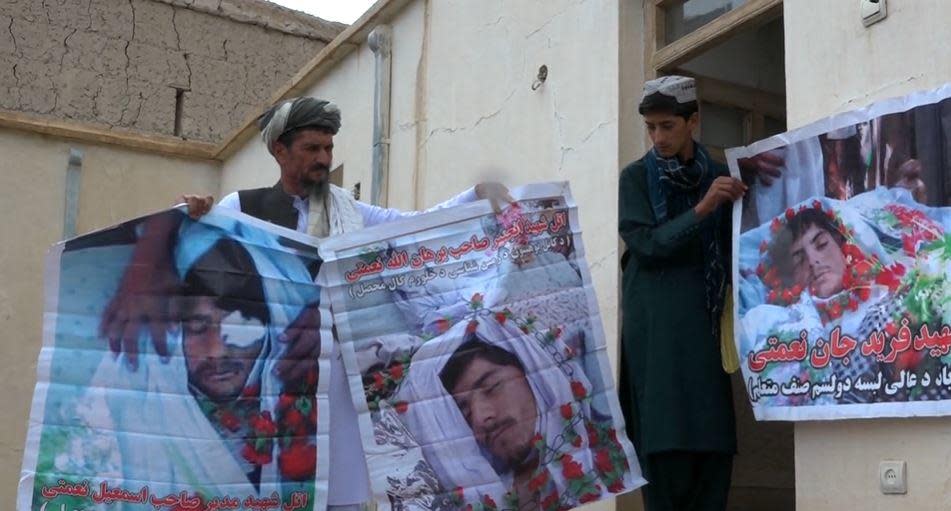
x: 380, y: 41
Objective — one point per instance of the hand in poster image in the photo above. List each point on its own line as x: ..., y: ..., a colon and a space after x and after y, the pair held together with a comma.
x: 205, y: 425
x: 484, y: 378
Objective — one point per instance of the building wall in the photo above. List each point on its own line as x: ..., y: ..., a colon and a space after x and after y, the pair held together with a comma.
x: 116, y: 184
x: 121, y: 64
x: 463, y: 111
x: 837, y: 462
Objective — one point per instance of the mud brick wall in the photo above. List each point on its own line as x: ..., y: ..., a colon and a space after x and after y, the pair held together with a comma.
x: 193, y: 68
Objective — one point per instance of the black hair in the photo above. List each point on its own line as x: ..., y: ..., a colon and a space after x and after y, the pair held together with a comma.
x: 465, y: 354
x: 226, y: 272
x: 664, y: 104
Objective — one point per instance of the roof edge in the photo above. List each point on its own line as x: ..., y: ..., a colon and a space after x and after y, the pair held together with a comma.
x: 341, y: 46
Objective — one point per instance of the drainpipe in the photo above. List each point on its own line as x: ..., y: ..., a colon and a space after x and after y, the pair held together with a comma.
x: 71, y: 210
x: 380, y: 41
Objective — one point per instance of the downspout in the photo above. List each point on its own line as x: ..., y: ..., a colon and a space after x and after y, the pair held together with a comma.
x: 380, y: 41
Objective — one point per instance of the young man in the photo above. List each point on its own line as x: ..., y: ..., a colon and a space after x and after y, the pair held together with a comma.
x: 674, y: 217
x: 299, y: 135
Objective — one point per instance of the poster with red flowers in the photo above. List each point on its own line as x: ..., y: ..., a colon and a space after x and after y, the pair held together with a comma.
x: 842, y: 264
x: 476, y: 358
x: 211, y: 403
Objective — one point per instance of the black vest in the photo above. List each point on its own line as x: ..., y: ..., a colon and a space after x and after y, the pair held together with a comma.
x: 270, y: 204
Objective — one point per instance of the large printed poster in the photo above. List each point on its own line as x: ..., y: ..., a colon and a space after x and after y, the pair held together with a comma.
x: 476, y: 358
x: 216, y: 423
x: 843, y: 264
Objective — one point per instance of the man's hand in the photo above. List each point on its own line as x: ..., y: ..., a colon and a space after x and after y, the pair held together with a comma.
x: 303, y: 340
x: 497, y: 194
x: 723, y: 190
x: 198, y: 205
x: 764, y: 166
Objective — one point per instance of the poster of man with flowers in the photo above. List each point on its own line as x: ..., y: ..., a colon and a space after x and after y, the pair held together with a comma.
x: 193, y: 416
x: 843, y: 264
x: 476, y: 358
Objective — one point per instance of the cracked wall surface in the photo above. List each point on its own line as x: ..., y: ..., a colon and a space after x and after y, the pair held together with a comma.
x: 123, y: 63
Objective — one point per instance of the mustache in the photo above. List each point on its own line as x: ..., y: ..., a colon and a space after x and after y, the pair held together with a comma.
x: 219, y: 366
x: 321, y: 166
x: 490, y: 433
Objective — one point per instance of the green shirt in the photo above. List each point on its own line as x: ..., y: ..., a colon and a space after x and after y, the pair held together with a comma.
x: 673, y: 388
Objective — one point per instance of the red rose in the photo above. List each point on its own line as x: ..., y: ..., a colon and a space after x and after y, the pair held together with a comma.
x: 489, y: 503
x: 298, y: 462
x: 251, y: 391
x: 286, y: 401
x: 566, y: 412
x: 787, y: 296
x: 555, y: 332
x: 570, y: 468
x: 442, y: 325
x: 853, y: 304
x: 262, y: 424
x: 294, y: 421
x: 229, y: 420
x: 500, y: 317
x: 576, y: 441
x: 378, y: 381
x: 864, y: 292
x: 254, y: 457
x: 396, y: 371
x: 816, y: 204
x: 538, y: 441
x: 835, y: 310
x: 592, y: 434
x: 613, y: 435
x: 577, y: 388
x: 550, y: 501
x: 772, y: 296
x: 471, y: 327
x: 602, y: 461
x: 538, y: 482
x: 477, y: 297
x: 763, y: 246
x: 790, y: 214
x: 891, y: 329
x: 401, y: 406
x: 616, y: 486
x: 909, y: 360
x: 458, y: 493
x: 775, y: 226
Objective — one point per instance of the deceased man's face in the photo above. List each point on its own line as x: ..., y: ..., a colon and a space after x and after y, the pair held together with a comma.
x: 499, y: 406
x: 220, y: 348
x: 817, y: 262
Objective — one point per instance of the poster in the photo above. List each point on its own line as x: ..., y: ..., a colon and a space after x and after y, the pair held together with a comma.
x: 842, y: 265
x: 210, y: 425
x: 476, y: 358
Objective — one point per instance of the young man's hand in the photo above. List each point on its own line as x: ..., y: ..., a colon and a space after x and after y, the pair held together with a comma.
x: 496, y: 193
x: 766, y: 167
x: 198, y: 205
x: 723, y: 190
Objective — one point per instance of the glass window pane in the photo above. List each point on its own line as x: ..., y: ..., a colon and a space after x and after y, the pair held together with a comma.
x: 721, y: 126
x: 773, y: 126
x: 688, y: 16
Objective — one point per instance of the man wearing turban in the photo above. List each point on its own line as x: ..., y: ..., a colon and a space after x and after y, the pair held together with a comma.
x: 299, y: 134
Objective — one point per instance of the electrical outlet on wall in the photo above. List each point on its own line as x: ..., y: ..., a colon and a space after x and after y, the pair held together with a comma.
x: 873, y: 11
x: 891, y: 475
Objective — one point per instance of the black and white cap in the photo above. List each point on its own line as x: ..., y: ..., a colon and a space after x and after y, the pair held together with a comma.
x: 681, y: 88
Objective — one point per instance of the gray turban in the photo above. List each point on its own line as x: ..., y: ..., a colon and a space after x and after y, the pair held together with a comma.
x: 297, y: 113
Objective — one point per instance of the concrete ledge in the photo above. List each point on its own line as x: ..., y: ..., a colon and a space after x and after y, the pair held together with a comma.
x: 101, y: 134
x: 266, y: 14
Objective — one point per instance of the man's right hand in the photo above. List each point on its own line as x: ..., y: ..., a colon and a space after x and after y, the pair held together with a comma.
x: 723, y: 190
x: 198, y: 205
x: 766, y: 167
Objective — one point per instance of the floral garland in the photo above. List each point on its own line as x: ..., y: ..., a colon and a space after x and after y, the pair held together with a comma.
x: 862, y: 270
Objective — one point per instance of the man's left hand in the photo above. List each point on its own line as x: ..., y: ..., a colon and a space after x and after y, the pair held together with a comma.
x: 303, y: 340
x: 496, y: 193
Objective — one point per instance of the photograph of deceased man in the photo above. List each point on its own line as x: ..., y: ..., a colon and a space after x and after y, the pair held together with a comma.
x: 504, y: 416
x: 872, y: 264
x: 211, y: 419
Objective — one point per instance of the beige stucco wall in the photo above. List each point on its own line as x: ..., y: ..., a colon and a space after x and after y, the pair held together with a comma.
x: 463, y: 111
x: 837, y: 462
x: 116, y: 185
